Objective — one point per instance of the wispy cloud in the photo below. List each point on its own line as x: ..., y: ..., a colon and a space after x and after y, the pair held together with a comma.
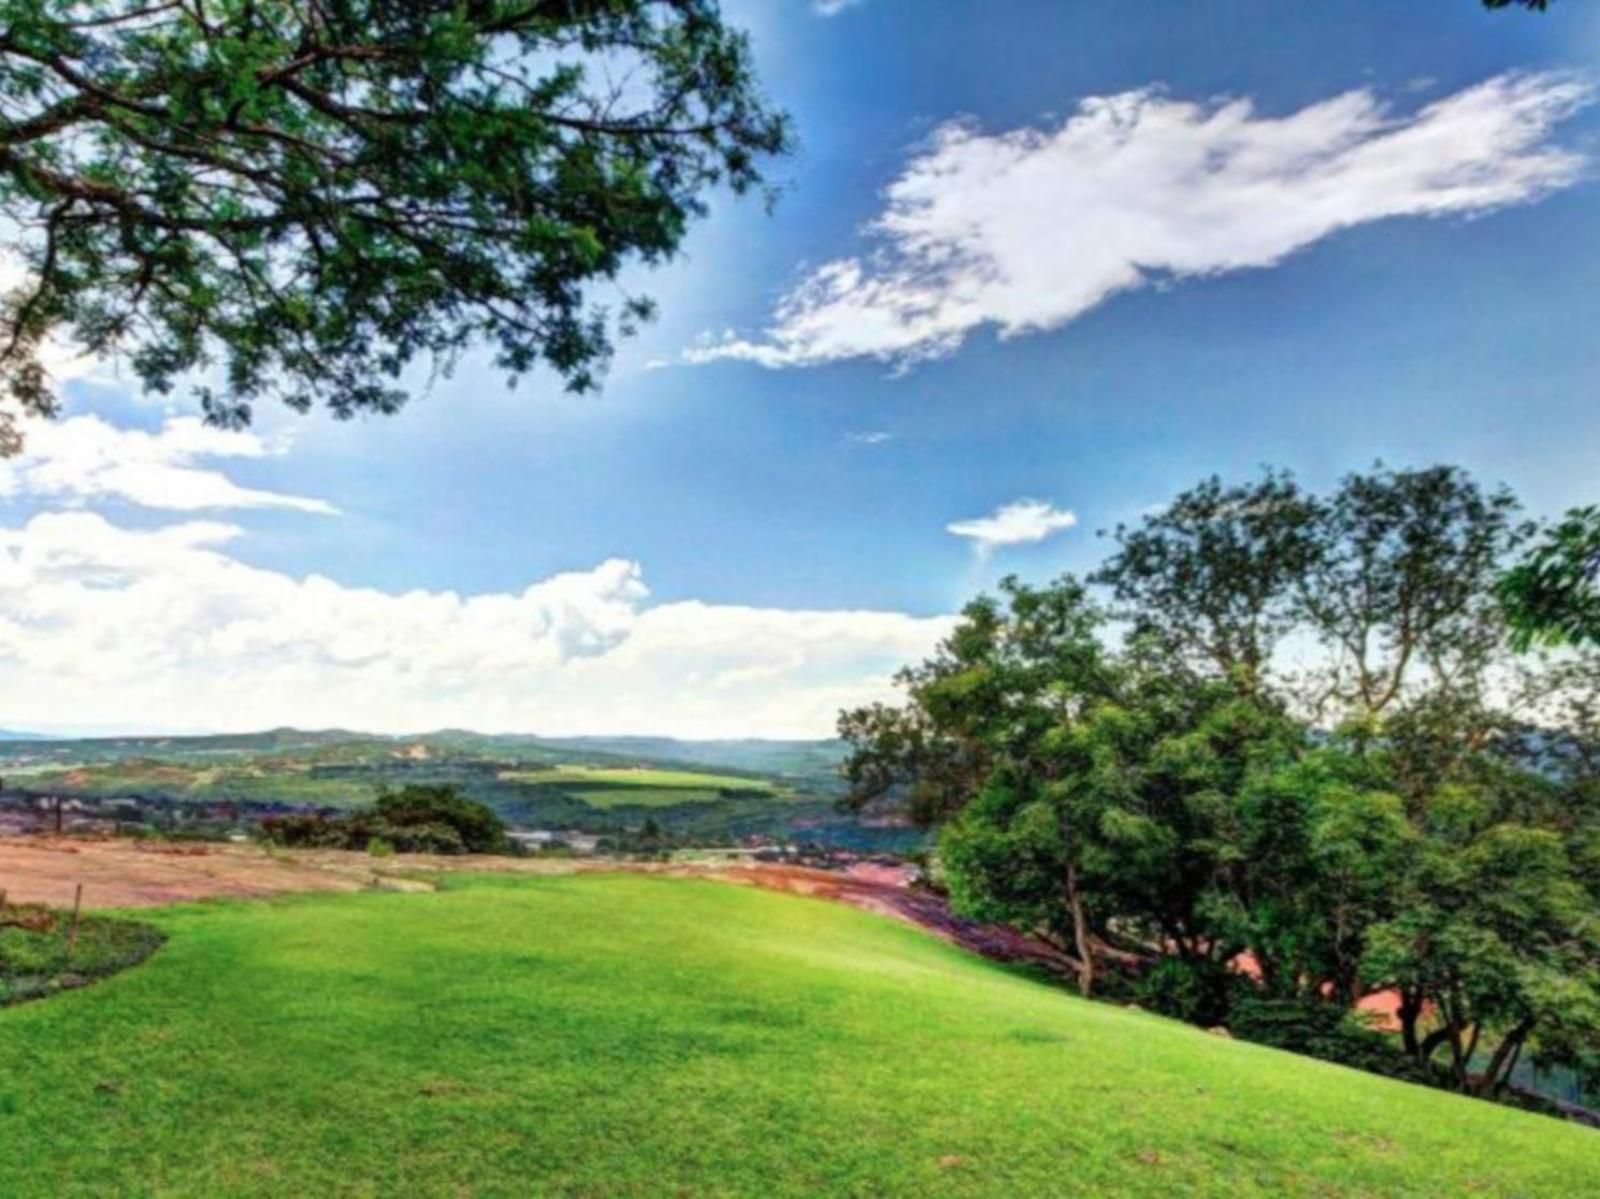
x: 869, y: 437
x: 832, y: 8
x: 1028, y: 229
x: 87, y: 458
x: 1020, y: 522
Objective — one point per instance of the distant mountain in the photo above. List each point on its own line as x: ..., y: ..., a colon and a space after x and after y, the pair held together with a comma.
x: 13, y: 735
x: 719, y: 791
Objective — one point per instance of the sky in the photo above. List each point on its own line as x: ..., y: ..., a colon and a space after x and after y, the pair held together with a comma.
x: 1035, y: 268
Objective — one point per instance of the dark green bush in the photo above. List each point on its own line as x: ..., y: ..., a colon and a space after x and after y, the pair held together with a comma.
x: 1196, y: 991
x: 307, y: 830
x: 1326, y: 1031
x: 434, y: 837
x: 477, y: 829
x: 414, y: 819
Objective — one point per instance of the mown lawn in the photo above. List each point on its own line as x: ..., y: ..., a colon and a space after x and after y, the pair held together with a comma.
x: 626, y: 1035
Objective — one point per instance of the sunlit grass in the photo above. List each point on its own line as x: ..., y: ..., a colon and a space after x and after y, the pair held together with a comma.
x: 625, y: 1035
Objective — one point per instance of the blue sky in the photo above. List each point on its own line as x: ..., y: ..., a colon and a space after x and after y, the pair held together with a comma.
x: 784, y: 532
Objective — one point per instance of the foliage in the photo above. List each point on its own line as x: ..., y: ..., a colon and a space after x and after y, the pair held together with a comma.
x: 631, y: 1035
x: 42, y: 952
x: 1324, y: 1031
x: 1309, y: 764
x: 428, y: 810
x: 1552, y: 596
x: 414, y: 819
x: 1211, y: 575
x: 1191, y: 990
x: 307, y: 830
x: 311, y: 197
x: 1498, y: 935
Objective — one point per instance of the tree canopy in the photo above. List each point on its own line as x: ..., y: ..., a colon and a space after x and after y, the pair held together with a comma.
x: 1289, y: 760
x: 1552, y: 596
x: 301, y: 198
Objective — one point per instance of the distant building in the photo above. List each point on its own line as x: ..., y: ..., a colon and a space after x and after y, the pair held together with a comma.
x: 542, y: 838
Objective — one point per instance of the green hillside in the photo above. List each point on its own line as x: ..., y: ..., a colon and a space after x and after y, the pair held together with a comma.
x: 774, y: 788
x: 624, y: 1035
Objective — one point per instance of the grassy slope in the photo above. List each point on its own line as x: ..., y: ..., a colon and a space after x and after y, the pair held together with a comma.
x: 628, y: 1035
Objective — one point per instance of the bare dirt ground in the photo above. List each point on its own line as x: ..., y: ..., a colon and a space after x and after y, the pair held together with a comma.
x: 886, y: 890
x: 122, y: 873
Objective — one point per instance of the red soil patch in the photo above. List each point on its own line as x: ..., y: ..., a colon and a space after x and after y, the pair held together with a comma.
x: 886, y: 891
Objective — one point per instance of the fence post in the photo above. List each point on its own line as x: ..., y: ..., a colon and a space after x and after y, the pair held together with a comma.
x: 72, y: 930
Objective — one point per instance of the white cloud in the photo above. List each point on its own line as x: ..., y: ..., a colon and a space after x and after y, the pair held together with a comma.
x: 869, y: 437
x: 1021, y: 522
x: 832, y: 8
x: 107, y: 626
x: 1028, y: 229
x: 86, y: 458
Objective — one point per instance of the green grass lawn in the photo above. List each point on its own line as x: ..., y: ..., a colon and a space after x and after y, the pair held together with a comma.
x: 626, y: 1035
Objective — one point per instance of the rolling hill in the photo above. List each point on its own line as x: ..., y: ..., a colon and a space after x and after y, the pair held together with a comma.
x: 629, y: 1035
x: 704, y: 790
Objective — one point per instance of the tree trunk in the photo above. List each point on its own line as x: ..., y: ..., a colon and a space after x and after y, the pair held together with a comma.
x: 1410, y: 1013
x: 1505, y: 1056
x: 1080, y: 933
x: 1511, y: 1068
x: 1430, y: 1044
x: 1458, y: 1052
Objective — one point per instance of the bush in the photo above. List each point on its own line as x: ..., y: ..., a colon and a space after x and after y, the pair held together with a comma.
x: 475, y: 828
x: 1326, y: 1031
x: 427, y: 838
x: 415, y: 819
x: 1195, y: 991
x: 307, y: 830
x: 36, y: 960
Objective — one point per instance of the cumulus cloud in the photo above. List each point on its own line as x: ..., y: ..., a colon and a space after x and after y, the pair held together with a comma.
x: 107, y: 626
x: 86, y: 458
x: 1021, y: 522
x: 1028, y: 229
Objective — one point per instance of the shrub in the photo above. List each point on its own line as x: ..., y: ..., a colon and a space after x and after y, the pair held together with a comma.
x: 307, y: 830
x: 1326, y: 1031
x: 475, y: 826
x: 434, y: 837
x: 1196, y: 991
x: 415, y: 819
x: 36, y: 959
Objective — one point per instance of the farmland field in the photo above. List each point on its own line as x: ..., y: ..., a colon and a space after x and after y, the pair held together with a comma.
x: 626, y: 1035
x: 614, y: 787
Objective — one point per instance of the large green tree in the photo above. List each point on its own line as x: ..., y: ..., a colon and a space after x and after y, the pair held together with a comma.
x: 1310, y: 759
x: 307, y: 196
